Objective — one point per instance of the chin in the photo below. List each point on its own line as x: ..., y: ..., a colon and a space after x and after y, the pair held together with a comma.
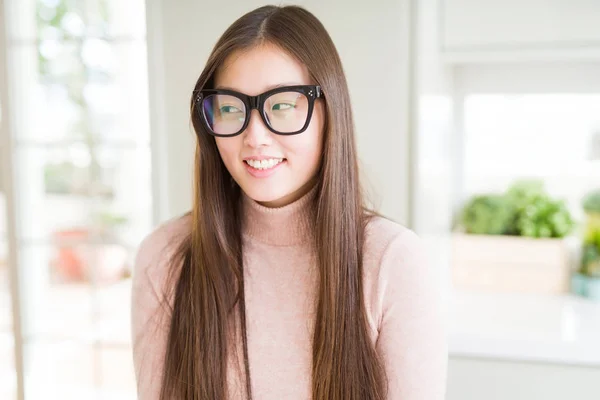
x: 262, y: 196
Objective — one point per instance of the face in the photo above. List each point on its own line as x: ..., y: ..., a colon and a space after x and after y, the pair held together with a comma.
x: 273, y: 184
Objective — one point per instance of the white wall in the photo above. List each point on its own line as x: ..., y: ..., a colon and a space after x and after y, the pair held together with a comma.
x: 491, y: 24
x: 435, y: 172
x: 519, y: 30
x: 372, y: 39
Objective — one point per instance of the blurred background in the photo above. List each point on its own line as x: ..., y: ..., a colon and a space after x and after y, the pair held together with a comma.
x: 478, y: 126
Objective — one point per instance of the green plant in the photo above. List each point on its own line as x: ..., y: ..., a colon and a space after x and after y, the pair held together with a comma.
x: 590, y: 261
x: 524, y: 210
x: 107, y: 223
x: 518, y: 196
x: 524, y: 189
x: 110, y: 219
x: 591, y: 202
x: 74, y: 79
x: 543, y: 217
x: 486, y: 214
x: 58, y: 177
x: 592, y: 231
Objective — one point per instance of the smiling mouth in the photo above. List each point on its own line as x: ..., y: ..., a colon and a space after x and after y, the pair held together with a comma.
x: 265, y: 164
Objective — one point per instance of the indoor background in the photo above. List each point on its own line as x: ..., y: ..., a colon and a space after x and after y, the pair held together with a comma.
x: 478, y: 126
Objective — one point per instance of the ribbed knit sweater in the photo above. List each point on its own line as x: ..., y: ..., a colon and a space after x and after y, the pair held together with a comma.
x: 280, y: 279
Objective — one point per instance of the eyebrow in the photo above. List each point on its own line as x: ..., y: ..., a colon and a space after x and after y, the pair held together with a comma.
x: 268, y: 87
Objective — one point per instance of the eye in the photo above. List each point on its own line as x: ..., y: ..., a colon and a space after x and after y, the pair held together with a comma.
x: 229, y: 109
x: 283, y: 106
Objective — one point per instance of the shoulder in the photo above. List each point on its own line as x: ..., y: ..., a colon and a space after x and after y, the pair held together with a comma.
x: 395, y: 266
x: 156, y: 250
x: 163, y: 241
x: 385, y: 238
x: 406, y: 312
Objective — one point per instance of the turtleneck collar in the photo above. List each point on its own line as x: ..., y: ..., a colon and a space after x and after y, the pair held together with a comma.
x: 289, y: 225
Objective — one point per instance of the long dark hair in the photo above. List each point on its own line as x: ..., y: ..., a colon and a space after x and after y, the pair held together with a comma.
x: 208, y: 288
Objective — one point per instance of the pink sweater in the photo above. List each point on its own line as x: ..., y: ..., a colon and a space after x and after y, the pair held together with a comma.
x: 280, y: 281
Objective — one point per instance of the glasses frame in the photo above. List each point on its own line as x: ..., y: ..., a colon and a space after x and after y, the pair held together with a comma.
x: 312, y: 93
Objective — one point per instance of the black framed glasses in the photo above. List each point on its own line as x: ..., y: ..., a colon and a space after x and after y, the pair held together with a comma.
x: 284, y: 110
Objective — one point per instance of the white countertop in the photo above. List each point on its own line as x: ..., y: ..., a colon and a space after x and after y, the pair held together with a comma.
x: 540, y: 328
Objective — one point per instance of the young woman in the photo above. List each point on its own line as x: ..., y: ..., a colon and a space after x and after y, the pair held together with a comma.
x: 280, y: 284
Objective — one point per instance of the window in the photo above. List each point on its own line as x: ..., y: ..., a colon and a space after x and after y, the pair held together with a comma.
x: 532, y: 122
x: 7, y: 362
x: 489, y: 125
x: 540, y: 136
x: 80, y: 145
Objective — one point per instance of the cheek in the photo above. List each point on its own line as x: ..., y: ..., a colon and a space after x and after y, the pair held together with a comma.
x: 306, y: 147
x: 229, y: 149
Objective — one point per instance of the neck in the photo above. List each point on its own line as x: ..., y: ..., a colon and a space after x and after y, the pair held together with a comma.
x: 290, y: 198
x: 287, y: 225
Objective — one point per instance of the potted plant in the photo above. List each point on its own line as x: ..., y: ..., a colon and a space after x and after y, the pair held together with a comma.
x: 586, y: 281
x: 513, y: 241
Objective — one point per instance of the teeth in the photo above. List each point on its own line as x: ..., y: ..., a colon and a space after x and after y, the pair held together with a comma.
x: 264, y: 164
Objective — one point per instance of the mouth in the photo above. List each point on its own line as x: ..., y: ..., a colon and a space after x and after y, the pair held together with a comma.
x: 264, y: 164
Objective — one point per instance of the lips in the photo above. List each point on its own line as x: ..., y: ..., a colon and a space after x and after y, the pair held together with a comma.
x: 264, y: 167
x: 265, y: 163
x: 261, y: 157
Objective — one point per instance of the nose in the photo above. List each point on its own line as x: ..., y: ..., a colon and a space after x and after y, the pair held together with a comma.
x: 256, y: 133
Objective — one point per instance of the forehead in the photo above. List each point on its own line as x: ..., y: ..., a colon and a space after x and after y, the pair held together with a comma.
x: 259, y: 69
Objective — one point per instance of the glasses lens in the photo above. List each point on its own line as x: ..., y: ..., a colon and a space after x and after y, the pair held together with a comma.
x: 224, y: 114
x: 286, y: 111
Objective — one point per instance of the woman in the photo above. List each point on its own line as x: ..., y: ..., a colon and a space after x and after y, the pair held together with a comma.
x: 279, y: 284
